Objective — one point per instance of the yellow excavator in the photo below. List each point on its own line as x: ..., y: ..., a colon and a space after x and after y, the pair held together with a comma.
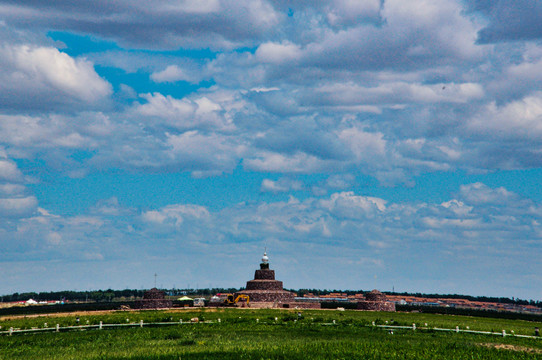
x: 232, y: 300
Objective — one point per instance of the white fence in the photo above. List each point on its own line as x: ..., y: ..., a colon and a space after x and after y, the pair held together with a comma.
x: 141, y: 324
x: 457, y: 330
x: 99, y: 326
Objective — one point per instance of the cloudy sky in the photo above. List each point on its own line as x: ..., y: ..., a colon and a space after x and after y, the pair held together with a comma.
x: 385, y: 144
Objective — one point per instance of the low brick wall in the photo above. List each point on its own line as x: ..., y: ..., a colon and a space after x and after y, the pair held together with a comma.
x: 376, y: 305
x: 268, y: 295
x: 283, y: 305
x: 153, y: 304
x: 302, y: 305
x: 263, y: 305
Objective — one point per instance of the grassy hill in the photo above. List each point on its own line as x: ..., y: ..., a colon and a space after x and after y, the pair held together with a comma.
x: 268, y: 334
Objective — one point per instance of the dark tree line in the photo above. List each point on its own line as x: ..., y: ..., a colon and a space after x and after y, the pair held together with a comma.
x: 201, y: 292
x: 95, y: 295
x: 318, y: 292
x: 106, y: 295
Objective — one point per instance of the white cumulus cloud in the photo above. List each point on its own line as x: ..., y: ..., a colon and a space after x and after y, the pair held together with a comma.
x: 281, y: 185
x: 18, y: 207
x: 173, y: 73
x: 278, y: 52
x: 33, y: 76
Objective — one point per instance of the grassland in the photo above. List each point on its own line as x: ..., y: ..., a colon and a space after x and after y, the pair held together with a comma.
x: 268, y: 334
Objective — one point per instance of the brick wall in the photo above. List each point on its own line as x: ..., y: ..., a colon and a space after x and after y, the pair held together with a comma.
x: 376, y: 305
x: 264, y: 285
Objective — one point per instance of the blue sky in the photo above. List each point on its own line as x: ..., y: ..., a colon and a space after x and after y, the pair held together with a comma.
x: 368, y: 144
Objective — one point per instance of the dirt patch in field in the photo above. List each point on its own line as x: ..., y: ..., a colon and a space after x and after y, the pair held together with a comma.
x: 511, y: 347
x: 99, y: 312
x: 75, y: 313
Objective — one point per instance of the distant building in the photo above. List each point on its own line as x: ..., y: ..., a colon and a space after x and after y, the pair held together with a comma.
x: 153, y: 299
x: 265, y: 291
x: 264, y: 287
x: 376, y: 301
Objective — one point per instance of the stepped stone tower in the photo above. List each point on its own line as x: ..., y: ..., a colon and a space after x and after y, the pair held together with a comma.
x: 376, y: 301
x: 153, y: 299
x: 264, y: 287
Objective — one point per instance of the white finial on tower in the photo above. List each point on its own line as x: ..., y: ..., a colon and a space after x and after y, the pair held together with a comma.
x: 265, y: 259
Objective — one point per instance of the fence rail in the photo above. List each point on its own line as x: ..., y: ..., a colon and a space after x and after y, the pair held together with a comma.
x: 141, y: 324
x: 456, y: 330
x: 99, y: 326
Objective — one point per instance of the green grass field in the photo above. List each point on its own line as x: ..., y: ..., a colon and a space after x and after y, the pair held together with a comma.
x: 255, y: 334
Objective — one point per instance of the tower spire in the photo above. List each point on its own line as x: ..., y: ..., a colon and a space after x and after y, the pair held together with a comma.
x: 265, y: 260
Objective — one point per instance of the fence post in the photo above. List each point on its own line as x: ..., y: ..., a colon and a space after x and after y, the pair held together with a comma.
x: 57, y: 327
x: 503, y: 333
x: 180, y: 321
x: 374, y: 323
x: 414, y: 326
x: 101, y: 325
x: 141, y: 323
x: 218, y: 319
x: 10, y: 331
x: 457, y: 329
